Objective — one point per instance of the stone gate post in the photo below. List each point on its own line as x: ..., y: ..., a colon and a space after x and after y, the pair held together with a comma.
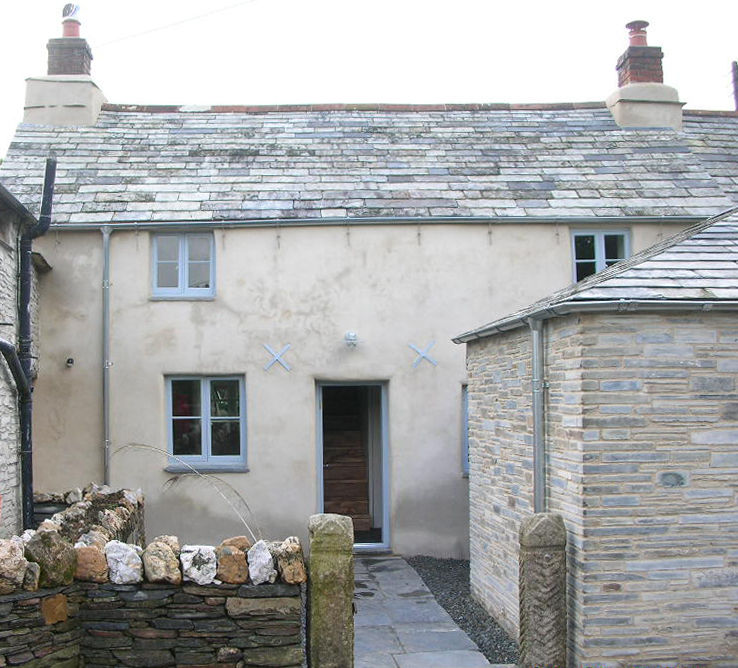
x: 331, y: 592
x: 543, y: 592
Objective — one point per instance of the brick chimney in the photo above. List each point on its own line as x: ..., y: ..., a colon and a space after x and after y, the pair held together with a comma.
x: 67, y: 95
x: 69, y: 54
x: 642, y: 99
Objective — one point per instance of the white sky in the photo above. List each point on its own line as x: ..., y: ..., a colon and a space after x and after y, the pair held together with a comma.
x: 301, y: 51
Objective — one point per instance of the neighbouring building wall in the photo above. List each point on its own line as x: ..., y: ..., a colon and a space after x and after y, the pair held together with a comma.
x: 394, y: 285
x: 642, y: 436
x: 10, y: 514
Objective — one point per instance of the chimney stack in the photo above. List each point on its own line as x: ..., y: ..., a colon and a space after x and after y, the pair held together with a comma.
x: 69, y: 54
x: 67, y: 96
x: 640, y: 63
x: 642, y: 100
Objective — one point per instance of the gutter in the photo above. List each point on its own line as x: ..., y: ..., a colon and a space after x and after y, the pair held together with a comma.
x: 24, y: 337
x: 374, y: 220
x: 595, y: 306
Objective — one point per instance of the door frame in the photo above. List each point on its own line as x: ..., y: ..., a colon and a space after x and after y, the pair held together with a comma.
x: 384, y: 437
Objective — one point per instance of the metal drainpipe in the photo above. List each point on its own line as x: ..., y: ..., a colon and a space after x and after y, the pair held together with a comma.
x: 539, y: 443
x: 25, y: 338
x: 106, y: 363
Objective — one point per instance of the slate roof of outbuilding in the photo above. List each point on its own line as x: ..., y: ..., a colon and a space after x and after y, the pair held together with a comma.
x: 145, y: 164
x: 699, y: 264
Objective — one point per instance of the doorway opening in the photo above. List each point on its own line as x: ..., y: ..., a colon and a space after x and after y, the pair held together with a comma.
x: 352, y: 438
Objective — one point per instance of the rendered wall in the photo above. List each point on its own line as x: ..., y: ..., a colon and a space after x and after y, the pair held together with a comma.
x: 393, y: 285
x: 642, y: 430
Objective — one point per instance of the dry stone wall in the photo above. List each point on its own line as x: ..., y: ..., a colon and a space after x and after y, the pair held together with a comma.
x: 75, y: 593
x: 642, y: 436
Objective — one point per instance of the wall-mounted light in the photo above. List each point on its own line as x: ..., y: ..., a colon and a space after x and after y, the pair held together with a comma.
x: 69, y: 362
x: 351, y: 339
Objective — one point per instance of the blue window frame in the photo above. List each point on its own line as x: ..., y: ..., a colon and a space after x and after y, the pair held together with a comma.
x: 465, y: 429
x: 183, y: 266
x: 595, y: 250
x: 206, y: 421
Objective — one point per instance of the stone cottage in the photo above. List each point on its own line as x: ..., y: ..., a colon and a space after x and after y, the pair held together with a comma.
x: 634, y: 441
x: 268, y: 294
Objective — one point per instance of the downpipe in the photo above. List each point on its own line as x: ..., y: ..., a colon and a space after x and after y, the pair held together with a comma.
x: 106, y: 363
x: 25, y: 356
x: 539, y: 442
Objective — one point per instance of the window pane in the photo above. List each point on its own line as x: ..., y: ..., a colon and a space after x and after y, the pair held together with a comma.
x: 226, y: 438
x: 584, y: 247
x: 199, y: 248
x: 585, y: 269
x: 186, y: 437
x: 614, y: 247
x: 167, y: 248
x: 186, y: 398
x: 224, y: 400
x: 199, y: 275
x: 167, y: 275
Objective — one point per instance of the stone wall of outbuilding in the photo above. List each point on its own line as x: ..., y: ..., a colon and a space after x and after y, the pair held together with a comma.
x: 642, y: 436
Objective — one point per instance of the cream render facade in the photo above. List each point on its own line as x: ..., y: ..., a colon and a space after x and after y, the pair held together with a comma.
x: 348, y: 244
x: 394, y: 285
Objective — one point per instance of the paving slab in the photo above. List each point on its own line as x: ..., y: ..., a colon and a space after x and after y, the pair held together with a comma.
x: 442, y: 659
x: 399, y: 624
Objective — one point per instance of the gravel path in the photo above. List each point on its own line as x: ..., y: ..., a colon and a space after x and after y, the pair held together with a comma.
x: 448, y: 580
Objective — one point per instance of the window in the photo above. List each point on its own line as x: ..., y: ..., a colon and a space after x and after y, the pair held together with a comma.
x: 207, y: 420
x: 596, y: 250
x: 465, y: 430
x: 183, y: 265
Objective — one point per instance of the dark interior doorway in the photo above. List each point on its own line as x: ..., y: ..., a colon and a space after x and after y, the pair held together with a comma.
x: 352, y: 457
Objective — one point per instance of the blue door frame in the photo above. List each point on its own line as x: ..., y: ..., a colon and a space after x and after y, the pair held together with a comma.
x: 383, y: 469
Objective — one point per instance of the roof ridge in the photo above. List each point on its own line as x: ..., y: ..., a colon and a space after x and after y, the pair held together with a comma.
x: 726, y: 113
x: 385, y: 107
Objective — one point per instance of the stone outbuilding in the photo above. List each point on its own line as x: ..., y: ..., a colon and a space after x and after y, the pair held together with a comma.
x: 614, y: 403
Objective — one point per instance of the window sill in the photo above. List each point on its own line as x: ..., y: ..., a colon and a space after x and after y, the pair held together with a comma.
x: 182, y: 298
x: 207, y: 468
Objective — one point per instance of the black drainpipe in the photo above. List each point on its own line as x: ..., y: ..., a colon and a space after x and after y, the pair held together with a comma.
x: 25, y: 340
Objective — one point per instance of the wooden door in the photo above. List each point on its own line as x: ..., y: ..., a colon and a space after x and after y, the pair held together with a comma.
x: 345, y: 477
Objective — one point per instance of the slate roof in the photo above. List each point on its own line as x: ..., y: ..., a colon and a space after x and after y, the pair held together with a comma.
x: 699, y: 264
x: 545, y: 162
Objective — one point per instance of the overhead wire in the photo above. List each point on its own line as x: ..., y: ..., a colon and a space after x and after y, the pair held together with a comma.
x: 176, y: 23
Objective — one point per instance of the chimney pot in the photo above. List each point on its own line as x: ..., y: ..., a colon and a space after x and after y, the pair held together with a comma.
x: 70, y: 28
x: 637, y: 33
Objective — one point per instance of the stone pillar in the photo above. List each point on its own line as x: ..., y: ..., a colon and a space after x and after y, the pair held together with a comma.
x: 331, y: 592
x: 543, y: 592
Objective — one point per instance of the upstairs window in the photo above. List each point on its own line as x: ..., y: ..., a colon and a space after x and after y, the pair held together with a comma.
x: 207, y: 420
x: 183, y: 266
x: 596, y: 250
